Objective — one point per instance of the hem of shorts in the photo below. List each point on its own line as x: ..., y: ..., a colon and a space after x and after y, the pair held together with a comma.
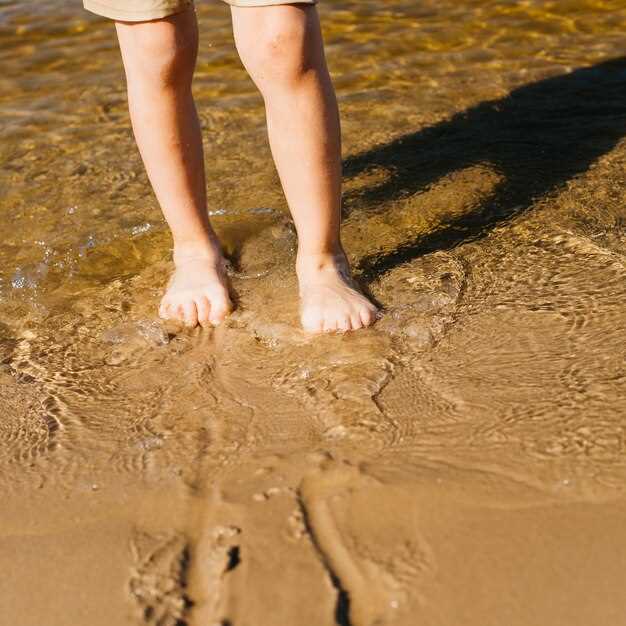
x: 133, y: 16
x: 266, y: 3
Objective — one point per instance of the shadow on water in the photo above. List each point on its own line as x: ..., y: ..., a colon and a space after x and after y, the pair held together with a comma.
x: 537, y: 138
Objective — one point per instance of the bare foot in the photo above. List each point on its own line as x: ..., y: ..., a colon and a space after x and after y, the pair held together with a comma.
x: 197, y: 292
x: 329, y: 299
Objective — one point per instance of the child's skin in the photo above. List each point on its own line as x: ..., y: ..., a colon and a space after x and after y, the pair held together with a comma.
x: 281, y: 47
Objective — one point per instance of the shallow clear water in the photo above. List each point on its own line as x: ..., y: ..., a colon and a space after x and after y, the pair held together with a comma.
x: 484, y: 209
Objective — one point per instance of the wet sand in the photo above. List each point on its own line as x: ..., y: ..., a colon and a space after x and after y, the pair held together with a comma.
x: 462, y: 462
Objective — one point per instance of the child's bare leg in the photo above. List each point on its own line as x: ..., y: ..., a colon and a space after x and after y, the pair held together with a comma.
x: 281, y: 47
x: 159, y: 58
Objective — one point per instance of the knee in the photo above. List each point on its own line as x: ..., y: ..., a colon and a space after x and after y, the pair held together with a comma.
x: 161, y: 55
x: 281, y: 54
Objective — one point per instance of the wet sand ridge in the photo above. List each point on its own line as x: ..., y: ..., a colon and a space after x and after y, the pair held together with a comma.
x: 463, y: 462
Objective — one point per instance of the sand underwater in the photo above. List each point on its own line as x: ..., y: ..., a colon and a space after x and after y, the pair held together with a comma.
x: 461, y: 463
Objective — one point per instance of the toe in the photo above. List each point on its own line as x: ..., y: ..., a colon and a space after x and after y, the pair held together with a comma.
x: 329, y: 325
x: 355, y: 321
x: 189, y: 313
x: 177, y: 312
x: 313, y: 327
x: 368, y: 316
x: 204, y: 310
x: 219, y: 310
x: 169, y: 311
x: 343, y: 324
x: 311, y: 321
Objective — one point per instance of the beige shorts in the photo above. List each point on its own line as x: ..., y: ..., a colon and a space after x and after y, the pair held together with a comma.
x: 144, y: 10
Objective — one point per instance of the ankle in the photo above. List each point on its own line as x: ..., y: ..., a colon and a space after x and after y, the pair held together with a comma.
x: 314, y: 262
x: 208, y: 249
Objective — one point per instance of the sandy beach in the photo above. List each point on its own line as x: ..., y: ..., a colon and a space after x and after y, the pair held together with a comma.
x: 461, y: 463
